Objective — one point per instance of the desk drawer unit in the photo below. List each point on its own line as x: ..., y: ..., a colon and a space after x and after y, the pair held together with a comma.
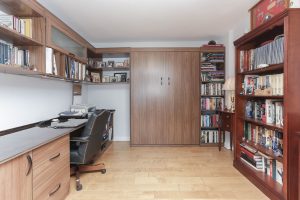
x: 51, y: 170
x: 226, y: 122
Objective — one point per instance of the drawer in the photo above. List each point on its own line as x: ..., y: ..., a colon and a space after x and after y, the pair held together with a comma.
x: 54, y: 187
x: 226, y: 122
x: 49, y: 159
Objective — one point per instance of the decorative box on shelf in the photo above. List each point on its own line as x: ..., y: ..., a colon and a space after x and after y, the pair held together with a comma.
x: 267, y: 9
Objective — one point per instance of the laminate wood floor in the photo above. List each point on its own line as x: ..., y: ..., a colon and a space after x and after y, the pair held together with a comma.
x: 165, y: 173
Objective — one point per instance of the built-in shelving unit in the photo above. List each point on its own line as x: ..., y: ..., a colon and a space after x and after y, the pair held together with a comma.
x: 109, y: 66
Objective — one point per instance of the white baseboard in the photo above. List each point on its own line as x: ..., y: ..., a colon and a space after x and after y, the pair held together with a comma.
x: 121, y: 139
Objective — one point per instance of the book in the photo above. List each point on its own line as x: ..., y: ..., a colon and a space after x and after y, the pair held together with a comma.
x: 49, y: 60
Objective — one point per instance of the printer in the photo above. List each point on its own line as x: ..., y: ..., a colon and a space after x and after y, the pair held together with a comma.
x: 78, y: 111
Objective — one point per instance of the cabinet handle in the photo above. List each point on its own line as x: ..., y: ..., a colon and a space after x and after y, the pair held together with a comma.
x: 161, y: 80
x: 54, y: 157
x: 29, y: 160
x: 54, y: 191
x: 169, y: 80
x: 227, y: 116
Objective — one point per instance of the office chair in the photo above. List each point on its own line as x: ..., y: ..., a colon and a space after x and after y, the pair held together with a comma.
x: 85, y: 148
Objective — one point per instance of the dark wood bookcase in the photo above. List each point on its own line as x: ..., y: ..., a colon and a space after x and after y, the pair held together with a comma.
x: 286, y: 24
x: 208, y: 77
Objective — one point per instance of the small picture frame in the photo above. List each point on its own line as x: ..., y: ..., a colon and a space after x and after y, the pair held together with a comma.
x: 122, y: 77
x: 112, y: 79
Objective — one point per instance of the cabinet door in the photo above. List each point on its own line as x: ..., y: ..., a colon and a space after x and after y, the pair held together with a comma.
x: 16, y: 178
x: 182, y: 102
x: 147, y: 98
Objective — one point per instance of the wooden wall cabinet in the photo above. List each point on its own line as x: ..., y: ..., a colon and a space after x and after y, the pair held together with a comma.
x: 164, y: 98
x: 16, y: 178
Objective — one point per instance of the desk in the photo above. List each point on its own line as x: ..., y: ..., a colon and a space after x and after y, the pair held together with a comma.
x: 35, y: 163
x: 226, y: 123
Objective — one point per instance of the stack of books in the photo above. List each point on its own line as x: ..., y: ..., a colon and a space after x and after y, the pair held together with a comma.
x: 212, y: 89
x: 261, y: 162
x: 267, y: 138
x: 214, y: 103
x: 267, y: 111
x: 12, y: 55
x: 263, y: 85
x: 209, y: 121
x: 21, y: 25
x: 209, y: 137
x: 269, y: 54
x: 213, y: 76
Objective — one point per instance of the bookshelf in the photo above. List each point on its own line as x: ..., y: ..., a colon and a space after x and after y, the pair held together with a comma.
x: 212, y: 70
x: 267, y: 105
x: 109, y: 66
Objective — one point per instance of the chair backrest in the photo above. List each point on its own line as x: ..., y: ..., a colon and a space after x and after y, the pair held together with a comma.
x: 93, y: 132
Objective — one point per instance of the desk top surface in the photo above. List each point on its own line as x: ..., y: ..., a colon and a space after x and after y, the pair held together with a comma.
x: 21, y: 142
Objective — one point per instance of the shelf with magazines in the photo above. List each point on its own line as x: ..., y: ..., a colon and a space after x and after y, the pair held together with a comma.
x: 212, y: 71
x: 267, y: 104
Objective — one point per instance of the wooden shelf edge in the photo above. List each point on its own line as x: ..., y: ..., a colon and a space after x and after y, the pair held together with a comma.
x: 270, y: 126
x: 113, y: 83
x: 259, y: 96
x: 262, y: 181
x: 17, y: 38
x: 265, y: 70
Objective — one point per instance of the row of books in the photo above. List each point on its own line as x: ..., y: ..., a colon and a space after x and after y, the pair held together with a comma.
x: 21, y: 25
x: 213, y: 57
x: 72, y: 68
x: 268, y: 111
x: 271, y: 53
x: 11, y: 55
x: 263, y: 85
x: 209, y: 137
x: 261, y: 162
x: 209, y: 121
x: 96, y: 63
x: 213, y: 76
x: 265, y: 137
x: 212, y: 89
x: 213, y: 103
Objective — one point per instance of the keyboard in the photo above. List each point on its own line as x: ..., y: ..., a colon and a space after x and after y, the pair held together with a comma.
x: 71, y: 123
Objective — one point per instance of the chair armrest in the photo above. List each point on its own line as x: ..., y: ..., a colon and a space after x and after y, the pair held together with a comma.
x: 79, y: 139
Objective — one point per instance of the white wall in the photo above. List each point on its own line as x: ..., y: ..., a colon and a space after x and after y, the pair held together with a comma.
x: 26, y: 100
x: 113, y: 97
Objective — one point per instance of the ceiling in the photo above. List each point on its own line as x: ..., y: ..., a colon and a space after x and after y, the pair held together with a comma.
x: 113, y: 21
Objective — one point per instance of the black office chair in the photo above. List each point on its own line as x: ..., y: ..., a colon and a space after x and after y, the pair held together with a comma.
x: 85, y: 148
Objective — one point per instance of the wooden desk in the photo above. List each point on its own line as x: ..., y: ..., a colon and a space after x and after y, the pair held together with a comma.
x: 226, y: 123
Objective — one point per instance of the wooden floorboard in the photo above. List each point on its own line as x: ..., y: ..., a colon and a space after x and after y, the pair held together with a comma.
x: 165, y: 173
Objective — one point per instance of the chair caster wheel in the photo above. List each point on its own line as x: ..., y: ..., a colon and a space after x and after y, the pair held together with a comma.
x: 103, y: 171
x: 79, y: 187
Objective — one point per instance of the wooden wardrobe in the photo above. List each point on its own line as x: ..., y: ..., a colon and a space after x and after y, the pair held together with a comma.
x: 165, y: 96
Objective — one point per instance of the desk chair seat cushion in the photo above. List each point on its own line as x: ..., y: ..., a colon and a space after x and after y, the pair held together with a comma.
x: 88, y: 145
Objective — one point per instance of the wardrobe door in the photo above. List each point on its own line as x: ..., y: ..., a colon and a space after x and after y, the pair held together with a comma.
x: 147, y: 94
x: 182, y: 103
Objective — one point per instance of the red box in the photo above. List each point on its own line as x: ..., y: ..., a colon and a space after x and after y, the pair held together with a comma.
x: 265, y: 10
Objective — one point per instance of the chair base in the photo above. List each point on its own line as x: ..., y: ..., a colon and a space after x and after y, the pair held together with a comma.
x: 77, y: 169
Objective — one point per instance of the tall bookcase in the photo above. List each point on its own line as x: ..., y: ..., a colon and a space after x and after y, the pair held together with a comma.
x: 212, y: 70
x: 273, y: 142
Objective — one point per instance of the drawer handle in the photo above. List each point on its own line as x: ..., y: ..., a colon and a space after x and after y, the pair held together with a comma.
x: 29, y: 160
x: 54, y: 157
x: 54, y: 191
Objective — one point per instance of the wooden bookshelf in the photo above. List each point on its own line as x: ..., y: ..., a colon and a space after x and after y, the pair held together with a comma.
x: 260, y: 123
x: 286, y: 23
x: 207, y: 77
x: 277, y: 68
